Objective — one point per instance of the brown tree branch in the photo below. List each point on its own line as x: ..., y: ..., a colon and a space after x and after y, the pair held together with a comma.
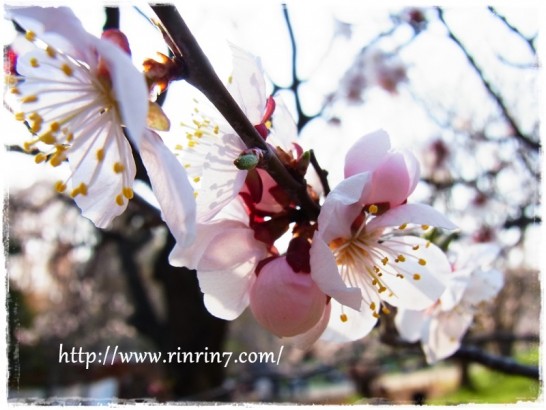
x: 200, y: 74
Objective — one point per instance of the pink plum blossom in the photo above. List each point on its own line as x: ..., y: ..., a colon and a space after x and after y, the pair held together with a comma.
x: 366, y: 259
x: 441, y: 327
x: 79, y: 94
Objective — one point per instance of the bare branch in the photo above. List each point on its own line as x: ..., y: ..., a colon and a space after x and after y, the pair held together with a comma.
x: 518, y: 133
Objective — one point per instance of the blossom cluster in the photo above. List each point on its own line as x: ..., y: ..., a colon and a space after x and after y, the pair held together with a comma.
x: 303, y: 277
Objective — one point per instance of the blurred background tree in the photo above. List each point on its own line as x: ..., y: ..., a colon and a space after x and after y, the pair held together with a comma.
x: 456, y: 86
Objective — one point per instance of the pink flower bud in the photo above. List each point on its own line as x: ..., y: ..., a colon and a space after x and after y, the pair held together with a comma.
x: 284, y: 302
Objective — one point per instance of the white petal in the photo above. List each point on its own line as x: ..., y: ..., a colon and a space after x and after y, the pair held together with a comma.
x: 221, y: 181
x: 411, y: 213
x: 58, y: 27
x: 103, y: 184
x: 171, y: 188
x: 227, y: 292
x: 129, y: 86
x: 410, y: 323
x: 357, y: 325
x: 444, y: 334
x: 455, y: 288
x: 248, y: 84
x: 325, y: 273
x: 307, y: 339
x: 284, y: 131
x: 341, y: 207
x: 484, y: 285
x: 421, y: 291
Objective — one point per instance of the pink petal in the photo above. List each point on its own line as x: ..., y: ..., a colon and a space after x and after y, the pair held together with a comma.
x: 325, y: 273
x: 420, y: 214
x: 171, y: 188
x: 484, y: 285
x: 367, y: 153
x: 391, y: 182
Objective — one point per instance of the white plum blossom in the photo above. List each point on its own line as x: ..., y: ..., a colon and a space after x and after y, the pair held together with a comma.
x: 441, y: 327
x: 80, y: 96
x: 367, y: 257
x: 212, y: 145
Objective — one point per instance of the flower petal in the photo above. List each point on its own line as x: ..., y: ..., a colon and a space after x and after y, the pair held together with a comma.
x: 341, y: 207
x: 325, y: 273
x: 171, y: 187
x: 484, y: 285
x: 103, y: 184
x: 248, y: 85
x: 410, y: 323
x: 443, y: 336
x: 421, y: 285
x: 367, y: 153
x: 456, y: 287
x: 356, y: 326
x: 45, y: 21
x: 411, y: 213
x: 391, y: 182
x: 129, y: 86
x: 221, y: 181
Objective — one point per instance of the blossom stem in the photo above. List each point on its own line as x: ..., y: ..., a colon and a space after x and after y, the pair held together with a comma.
x: 200, y: 74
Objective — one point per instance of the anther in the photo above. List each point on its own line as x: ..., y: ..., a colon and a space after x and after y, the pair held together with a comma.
x: 30, y: 35
x: 119, y: 200
x: 118, y: 167
x: 382, y: 289
x: 373, y: 209
x: 372, y: 306
x: 343, y: 317
x: 385, y: 260
x: 51, y: 52
x: 60, y: 186
x: 415, y: 247
x: 196, y: 179
x: 425, y: 227
x: 20, y: 116
x: 416, y: 276
x: 100, y: 154
x: 40, y: 157
x: 128, y: 192
x: 29, y: 99
x: 34, y: 62
x: 422, y: 262
x: 385, y: 310
x: 403, y: 226
x: 67, y: 70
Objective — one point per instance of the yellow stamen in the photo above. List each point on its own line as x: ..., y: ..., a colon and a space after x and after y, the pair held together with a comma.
x: 100, y: 154
x: 118, y: 167
x: 416, y: 276
x: 373, y: 209
x: 415, y: 247
x: 20, y: 116
x: 48, y: 138
x: 401, y: 258
x: 376, y: 315
x: 34, y: 62
x: 14, y: 90
x: 51, y: 52
x: 425, y: 227
x: 385, y: 310
x: 343, y: 317
x: 40, y: 157
x: 385, y: 260
x: 29, y: 99
x: 372, y: 306
x: 128, y: 192
x: 119, y: 200
x: 60, y: 186
x: 65, y: 68
x: 422, y: 262
x: 403, y: 226
x: 196, y: 179
x: 30, y: 35
x: 54, y: 126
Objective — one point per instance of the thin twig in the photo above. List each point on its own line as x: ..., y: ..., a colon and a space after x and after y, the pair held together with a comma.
x: 518, y: 133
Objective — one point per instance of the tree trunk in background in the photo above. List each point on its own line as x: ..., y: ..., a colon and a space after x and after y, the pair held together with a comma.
x: 190, y: 327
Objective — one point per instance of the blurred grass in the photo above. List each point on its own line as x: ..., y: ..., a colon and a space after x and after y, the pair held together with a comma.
x: 495, y: 387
